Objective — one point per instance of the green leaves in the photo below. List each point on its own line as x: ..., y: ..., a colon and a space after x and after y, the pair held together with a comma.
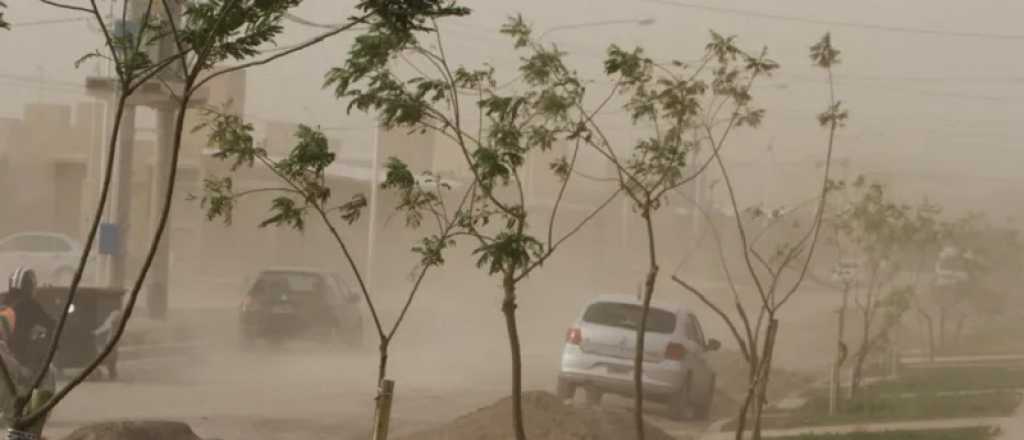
x: 834, y: 116
x: 633, y: 67
x: 508, y: 251
x: 520, y: 32
x: 352, y: 210
x: 823, y: 54
x: 431, y: 250
x: 407, y: 16
x: 232, y: 137
x: 415, y: 198
x: 492, y: 168
x: 218, y: 199
x: 723, y: 48
x: 235, y: 30
x: 285, y: 211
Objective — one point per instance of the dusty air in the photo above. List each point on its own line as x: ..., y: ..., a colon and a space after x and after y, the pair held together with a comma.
x: 467, y: 220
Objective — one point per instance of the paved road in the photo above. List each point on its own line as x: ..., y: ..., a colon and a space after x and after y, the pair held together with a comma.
x: 1013, y: 428
x: 445, y: 362
x: 870, y: 427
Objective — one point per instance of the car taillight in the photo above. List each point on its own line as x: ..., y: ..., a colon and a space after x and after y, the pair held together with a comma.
x: 675, y: 351
x: 248, y: 304
x: 574, y: 337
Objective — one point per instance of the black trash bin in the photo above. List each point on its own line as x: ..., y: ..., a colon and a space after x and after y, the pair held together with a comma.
x: 79, y: 344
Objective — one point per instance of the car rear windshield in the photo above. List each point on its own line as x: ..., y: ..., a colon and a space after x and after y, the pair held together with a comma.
x: 287, y: 282
x: 628, y: 316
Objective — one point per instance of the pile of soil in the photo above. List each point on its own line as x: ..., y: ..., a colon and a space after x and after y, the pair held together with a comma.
x: 547, y: 418
x: 134, y: 430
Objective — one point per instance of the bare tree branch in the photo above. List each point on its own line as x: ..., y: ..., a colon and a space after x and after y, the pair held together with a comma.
x: 728, y: 321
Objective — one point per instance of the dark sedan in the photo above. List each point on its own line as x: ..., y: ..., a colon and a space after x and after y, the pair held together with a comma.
x: 286, y: 304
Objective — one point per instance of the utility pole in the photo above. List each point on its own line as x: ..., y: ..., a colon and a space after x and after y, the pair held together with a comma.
x: 119, y: 212
x: 117, y: 215
x: 158, y: 279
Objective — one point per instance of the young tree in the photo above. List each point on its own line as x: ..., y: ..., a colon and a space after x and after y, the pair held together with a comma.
x: 923, y: 249
x: 676, y: 100
x: 200, y: 35
x: 879, y: 231
x: 511, y: 124
x: 756, y: 336
x: 305, y: 192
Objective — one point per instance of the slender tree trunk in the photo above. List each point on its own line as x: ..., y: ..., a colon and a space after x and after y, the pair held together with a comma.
x: 508, y: 307
x: 382, y: 407
x: 638, y: 356
x: 862, y: 353
x: 837, y: 364
x: 942, y: 328
x: 741, y: 423
x: 858, y: 373
x: 931, y: 335
x: 958, y: 331
x: 382, y: 361
x: 761, y: 399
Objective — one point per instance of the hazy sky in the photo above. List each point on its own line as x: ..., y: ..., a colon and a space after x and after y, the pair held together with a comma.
x: 952, y: 104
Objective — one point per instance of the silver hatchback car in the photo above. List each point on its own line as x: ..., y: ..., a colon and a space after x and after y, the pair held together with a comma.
x: 600, y: 347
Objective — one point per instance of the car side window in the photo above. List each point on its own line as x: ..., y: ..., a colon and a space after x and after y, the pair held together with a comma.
x: 331, y: 292
x: 35, y: 243
x: 59, y: 245
x: 693, y: 330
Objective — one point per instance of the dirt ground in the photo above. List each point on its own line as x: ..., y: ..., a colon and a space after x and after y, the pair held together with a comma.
x: 445, y: 363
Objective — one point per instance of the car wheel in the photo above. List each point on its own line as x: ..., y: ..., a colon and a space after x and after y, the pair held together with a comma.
x: 566, y: 390
x: 679, y: 402
x: 594, y: 396
x: 703, y: 410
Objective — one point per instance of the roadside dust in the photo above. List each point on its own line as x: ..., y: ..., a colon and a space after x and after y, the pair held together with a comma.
x: 547, y: 418
x: 448, y: 365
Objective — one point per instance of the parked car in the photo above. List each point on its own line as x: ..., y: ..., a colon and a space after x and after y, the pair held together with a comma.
x: 601, y: 345
x: 296, y: 303
x: 54, y: 257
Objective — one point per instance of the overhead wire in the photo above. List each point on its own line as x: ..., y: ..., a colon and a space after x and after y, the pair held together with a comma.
x: 837, y: 23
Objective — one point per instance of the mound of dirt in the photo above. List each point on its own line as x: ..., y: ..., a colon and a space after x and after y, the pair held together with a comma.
x: 547, y: 418
x: 134, y: 430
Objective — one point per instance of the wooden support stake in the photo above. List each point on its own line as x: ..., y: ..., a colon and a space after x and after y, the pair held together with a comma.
x: 382, y: 417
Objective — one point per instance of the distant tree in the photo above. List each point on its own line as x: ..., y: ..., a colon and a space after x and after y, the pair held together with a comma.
x: 879, y: 231
x: 756, y: 335
x: 511, y: 124
x: 922, y: 252
x: 976, y: 264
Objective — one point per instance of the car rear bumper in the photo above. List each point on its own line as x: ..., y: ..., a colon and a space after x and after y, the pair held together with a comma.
x: 615, y: 375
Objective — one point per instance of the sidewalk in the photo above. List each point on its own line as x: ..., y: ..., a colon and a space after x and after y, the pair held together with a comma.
x: 875, y: 427
x: 1013, y: 427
